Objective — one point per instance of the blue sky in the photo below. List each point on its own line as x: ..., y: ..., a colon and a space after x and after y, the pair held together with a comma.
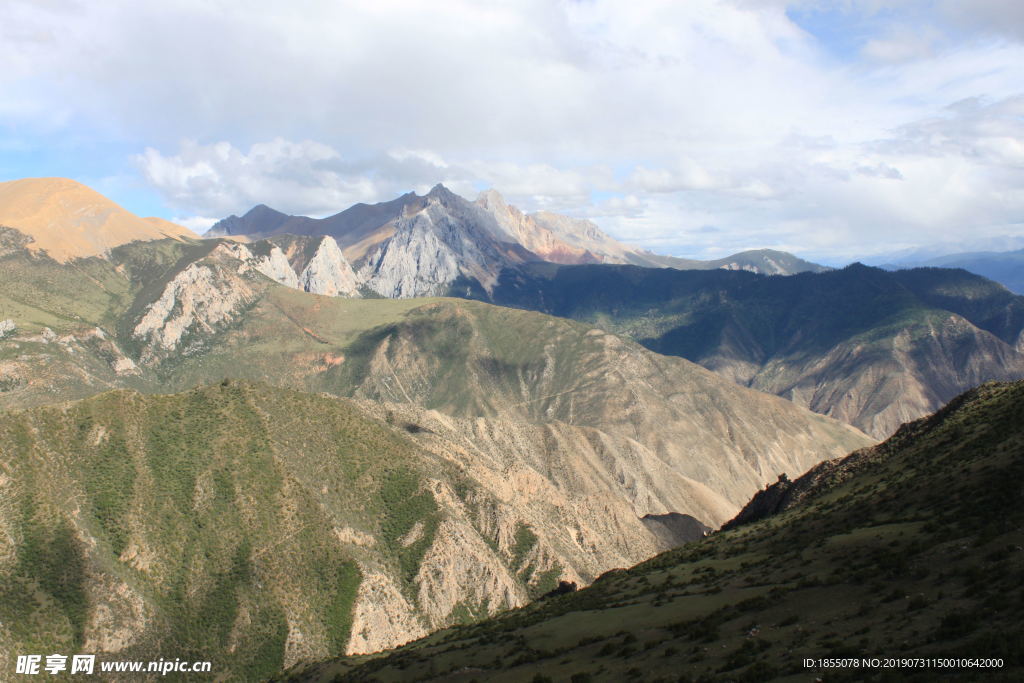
x: 836, y: 130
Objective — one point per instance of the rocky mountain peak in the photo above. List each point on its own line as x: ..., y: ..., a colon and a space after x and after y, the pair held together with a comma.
x: 261, y: 210
x: 257, y: 220
x: 441, y: 194
x: 491, y: 200
x: 439, y: 190
x: 447, y: 240
x: 275, y: 266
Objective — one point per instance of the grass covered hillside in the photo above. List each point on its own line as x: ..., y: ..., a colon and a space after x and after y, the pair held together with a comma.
x: 866, y: 346
x: 908, y: 549
x: 130, y: 320
x: 260, y: 527
x: 247, y: 525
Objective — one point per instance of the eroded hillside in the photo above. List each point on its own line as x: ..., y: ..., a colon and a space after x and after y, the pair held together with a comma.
x: 910, y: 549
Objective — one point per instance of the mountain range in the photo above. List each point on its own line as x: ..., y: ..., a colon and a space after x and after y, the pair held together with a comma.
x: 866, y: 346
x: 871, y: 349
x: 539, y: 236
x: 529, y: 449
x: 283, y: 446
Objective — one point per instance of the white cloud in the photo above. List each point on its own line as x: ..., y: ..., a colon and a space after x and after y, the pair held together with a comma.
x: 219, y: 179
x: 722, y: 114
x: 197, y: 224
x: 903, y: 44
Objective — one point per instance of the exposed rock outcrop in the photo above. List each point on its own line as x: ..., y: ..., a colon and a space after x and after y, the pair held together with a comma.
x: 206, y: 294
x: 461, y: 569
x: 382, y: 618
x: 328, y: 272
x: 448, y: 240
x: 275, y: 266
x: 527, y: 231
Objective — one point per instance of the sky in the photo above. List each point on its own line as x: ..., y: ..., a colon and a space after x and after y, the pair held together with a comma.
x: 836, y: 130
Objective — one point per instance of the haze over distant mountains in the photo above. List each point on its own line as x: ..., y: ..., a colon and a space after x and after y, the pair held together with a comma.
x: 1004, y: 267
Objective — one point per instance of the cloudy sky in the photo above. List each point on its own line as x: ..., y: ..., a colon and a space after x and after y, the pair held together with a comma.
x: 836, y: 130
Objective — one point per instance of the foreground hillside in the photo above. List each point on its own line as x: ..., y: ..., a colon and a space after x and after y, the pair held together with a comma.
x: 908, y: 549
x: 871, y: 348
x: 258, y: 527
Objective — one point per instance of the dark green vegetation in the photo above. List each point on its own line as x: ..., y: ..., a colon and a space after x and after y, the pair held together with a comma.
x: 688, y: 313
x: 1005, y: 267
x: 200, y: 525
x: 404, y: 507
x: 908, y: 549
x: 870, y: 347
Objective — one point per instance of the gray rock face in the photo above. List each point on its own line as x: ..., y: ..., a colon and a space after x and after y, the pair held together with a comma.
x: 415, y: 262
x: 210, y: 291
x: 6, y: 327
x: 275, y: 266
x: 448, y: 239
x: 328, y: 272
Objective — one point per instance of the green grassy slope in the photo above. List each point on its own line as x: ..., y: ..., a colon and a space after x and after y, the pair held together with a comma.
x: 38, y: 292
x: 908, y: 549
x: 201, y: 525
x: 92, y: 307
